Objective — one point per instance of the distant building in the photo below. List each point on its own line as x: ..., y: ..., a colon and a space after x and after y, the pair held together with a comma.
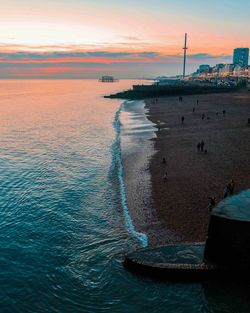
x: 241, y: 56
x: 238, y: 71
x: 218, y: 67
x: 204, y: 68
x: 227, y: 70
x: 215, y: 70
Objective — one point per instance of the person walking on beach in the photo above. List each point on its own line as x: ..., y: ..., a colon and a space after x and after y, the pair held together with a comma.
x: 202, y: 145
x: 199, y: 146
x: 197, y: 102
x: 164, y: 160
x: 224, y: 112
x: 226, y: 191
x: 193, y: 110
x: 248, y: 121
x: 211, y: 203
x: 165, y: 177
x: 231, y: 187
x: 202, y: 116
x: 159, y: 125
x: 180, y: 99
x: 182, y: 119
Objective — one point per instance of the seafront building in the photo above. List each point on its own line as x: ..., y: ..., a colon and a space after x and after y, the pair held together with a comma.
x: 240, y: 57
x: 238, y: 69
x: 231, y: 74
x: 204, y: 68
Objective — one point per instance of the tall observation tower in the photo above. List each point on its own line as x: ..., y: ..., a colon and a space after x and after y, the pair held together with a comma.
x: 185, y: 56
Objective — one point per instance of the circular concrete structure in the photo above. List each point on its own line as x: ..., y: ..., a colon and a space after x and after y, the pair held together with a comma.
x: 183, y: 262
x: 228, y: 240
x: 225, y: 255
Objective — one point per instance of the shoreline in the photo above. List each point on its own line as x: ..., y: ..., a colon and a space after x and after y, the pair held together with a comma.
x: 181, y: 203
x: 137, y: 149
x: 135, y: 163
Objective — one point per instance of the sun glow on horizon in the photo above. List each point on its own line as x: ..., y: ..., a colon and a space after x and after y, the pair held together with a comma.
x: 128, y: 29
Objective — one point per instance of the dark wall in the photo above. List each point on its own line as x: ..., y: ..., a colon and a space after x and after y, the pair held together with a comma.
x: 228, y: 242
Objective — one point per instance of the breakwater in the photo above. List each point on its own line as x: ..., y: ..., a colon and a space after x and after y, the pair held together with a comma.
x: 152, y: 91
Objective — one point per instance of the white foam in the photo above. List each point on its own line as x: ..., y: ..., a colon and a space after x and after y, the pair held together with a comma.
x: 141, y: 237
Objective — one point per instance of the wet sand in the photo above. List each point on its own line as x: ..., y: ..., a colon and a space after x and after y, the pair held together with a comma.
x: 137, y: 151
x: 181, y: 202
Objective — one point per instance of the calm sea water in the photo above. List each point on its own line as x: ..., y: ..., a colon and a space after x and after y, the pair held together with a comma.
x: 62, y: 227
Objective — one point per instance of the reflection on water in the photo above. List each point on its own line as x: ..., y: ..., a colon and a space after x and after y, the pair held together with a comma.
x: 62, y: 232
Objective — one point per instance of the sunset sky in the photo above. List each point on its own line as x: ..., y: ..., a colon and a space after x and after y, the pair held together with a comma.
x: 127, y: 39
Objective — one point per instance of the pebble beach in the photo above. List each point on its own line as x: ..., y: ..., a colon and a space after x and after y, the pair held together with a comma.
x: 181, y: 200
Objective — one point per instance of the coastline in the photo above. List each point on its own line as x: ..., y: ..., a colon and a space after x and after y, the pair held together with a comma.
x: 140, y: 92
x: 137, y: 148
x: 181, y: 203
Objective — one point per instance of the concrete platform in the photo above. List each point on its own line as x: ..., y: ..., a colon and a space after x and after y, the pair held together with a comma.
x: 224, y: 256
x: 182, y: 262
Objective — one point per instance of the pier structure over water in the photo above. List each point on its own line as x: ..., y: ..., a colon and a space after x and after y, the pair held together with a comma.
x: 108, y: 79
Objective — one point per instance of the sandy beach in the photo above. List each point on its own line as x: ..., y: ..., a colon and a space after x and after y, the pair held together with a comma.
x: 181, y: 202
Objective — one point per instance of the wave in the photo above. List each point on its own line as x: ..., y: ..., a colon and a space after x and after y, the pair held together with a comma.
x: 117, y: 163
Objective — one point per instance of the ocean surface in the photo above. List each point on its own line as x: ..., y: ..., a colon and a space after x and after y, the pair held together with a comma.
x: 64, y: 221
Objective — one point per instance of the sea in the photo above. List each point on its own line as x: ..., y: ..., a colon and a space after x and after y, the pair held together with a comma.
x: 65, y: 224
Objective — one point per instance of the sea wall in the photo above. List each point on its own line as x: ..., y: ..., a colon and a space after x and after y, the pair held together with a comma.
x: 228, y: 241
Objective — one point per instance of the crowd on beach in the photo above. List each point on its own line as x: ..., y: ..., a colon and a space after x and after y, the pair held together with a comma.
x: 230, y: 186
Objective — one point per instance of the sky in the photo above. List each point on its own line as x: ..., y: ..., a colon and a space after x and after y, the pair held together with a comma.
x: 124, y: 38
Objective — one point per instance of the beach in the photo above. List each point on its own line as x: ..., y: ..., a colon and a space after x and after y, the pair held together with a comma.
x: 137, y: 149
x: 181, y: 202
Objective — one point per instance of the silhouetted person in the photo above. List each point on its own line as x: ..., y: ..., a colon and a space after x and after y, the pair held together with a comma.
x: 180, y: 99
x: 224, y: 112
x: 248, y: 121
x: 226, y: 191
x: 231, y: 187
x: 197, y: 102
x: 158, y: 125
x: 165, y: 177
x: 164, y: 160
x: 182, y: 119
x: 202, y: 116
x: 193, y: 110
x: 199, y: 146
x: 202, y: 145
x: 211, y: 203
